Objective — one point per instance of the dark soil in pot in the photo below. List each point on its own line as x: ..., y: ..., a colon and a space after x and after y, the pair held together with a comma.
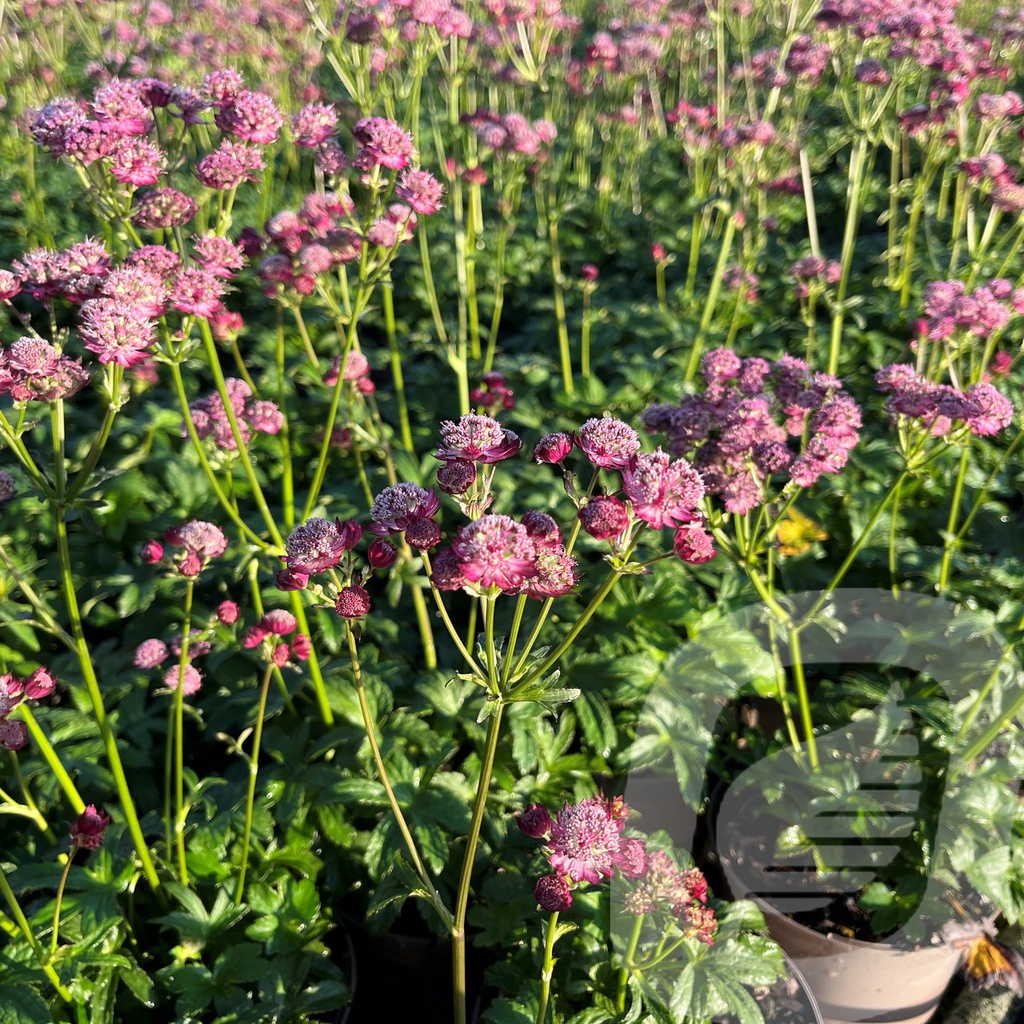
x: 405, y: 974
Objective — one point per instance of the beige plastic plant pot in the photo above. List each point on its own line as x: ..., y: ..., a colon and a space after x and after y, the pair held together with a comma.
x: 856, y: 981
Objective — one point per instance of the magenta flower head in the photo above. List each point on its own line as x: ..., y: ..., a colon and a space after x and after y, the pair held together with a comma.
x: 151, y: 552
x: 553, y: 448
x: 87, y: 831
x: 456, y: 477
x: 585, y: 841
x: 496, y: 551
x: 151, y: 653
x: 552, y: 894
x: 352, y: 602
x: 227, y: 613
x: 604, y: 517
x: 315, y: 546
x: 693, y: 544
x: 201, y: 539
x: 279, y: 622
x: 664, y: 492
x: 384, y: 142
x: 421, y: 190
x: 396, y: 507
x: 477, y: 439
x: 190, y: 679
x: 446, y: 571
x: 607, y: 442
x: 13, y: 734
x: 535, y: 822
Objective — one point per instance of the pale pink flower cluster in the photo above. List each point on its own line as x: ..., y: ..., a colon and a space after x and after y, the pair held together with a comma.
x: 756, y: 420
x: 940, y: 408
x: 210, y: 417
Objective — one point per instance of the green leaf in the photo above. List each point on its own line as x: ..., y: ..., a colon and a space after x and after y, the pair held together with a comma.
x: 23, y: 1005
x: 139, y: 983
x: 505, y: 1011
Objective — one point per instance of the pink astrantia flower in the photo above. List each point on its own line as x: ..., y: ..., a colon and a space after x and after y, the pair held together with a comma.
x: 421, y: 190
x: 314, y: 547
x: 189, y: 678
x: 314, y: 124
x: 384, y: 142
x: 585, y: 841
x: 607, y: 442
x: 496, y: 551
x: 396, y: 507
x: 250, y: 116
x: 279, y: 622
x: 664, y: 492
x: 151, y: 653
x: 202, y: 539
x: 994, y: 410
x: 477, y: 439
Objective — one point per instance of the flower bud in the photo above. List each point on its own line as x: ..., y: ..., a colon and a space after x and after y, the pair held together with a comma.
x: 381, y: 554
x: 604, y: 517
x: 227, y: 613
x: 152, y: 551
x: 552, y: 894
x: 535, y: 821
x: 301, y: 647
x: 190, y: 566
x: 290, y: 579
x: 423, y: 534
x: 352, y: 603
x: 87, y: 832
x: 553, y: 448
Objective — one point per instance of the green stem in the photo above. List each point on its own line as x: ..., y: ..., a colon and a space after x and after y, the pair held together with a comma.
x: 559, y: 295
x: 951, y: 541
x: 548, y: 967
x: 893, y: 530
x: 26, y: 929
x: 446, y: 619
x: 858, y: 160
x: 712, y: 299
x: 826, y: 594
x: 585, y: 616
x: 243, y: 449
x: 57, y: 902
x: 315, y: 672
x: 254, y: 767
x: 178, y: 734
x: 225, y: 502
x: 627, y: 964
x: 466, y: 876
x: 92, y: 686
x: 585, y: 336
x: 371, y: 735
x: 796, y: 657
x: 396, y: 366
